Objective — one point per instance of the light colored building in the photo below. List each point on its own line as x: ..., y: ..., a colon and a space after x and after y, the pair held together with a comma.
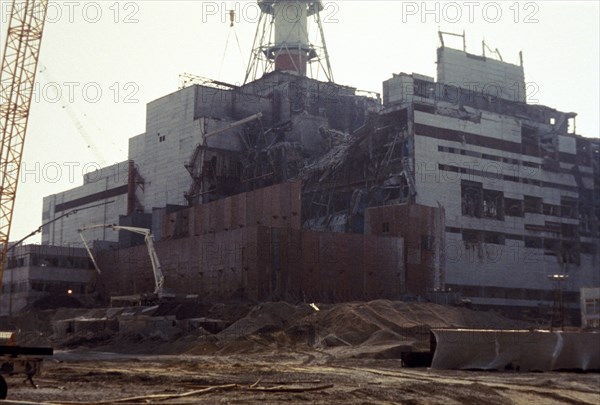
x: 100, y: 200
x: 154, y: 176
x: 590, y: 308
x: 519, y: 187
x: 164, y: 160
x: 36, y: 272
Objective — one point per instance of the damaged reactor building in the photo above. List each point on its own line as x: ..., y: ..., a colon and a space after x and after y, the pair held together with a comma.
x: 287, y: 187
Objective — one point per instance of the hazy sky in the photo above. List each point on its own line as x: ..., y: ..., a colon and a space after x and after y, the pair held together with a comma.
x: 102, y: 61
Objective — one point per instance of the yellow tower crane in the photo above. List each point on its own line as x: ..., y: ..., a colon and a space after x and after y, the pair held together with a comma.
x: 17, y: 79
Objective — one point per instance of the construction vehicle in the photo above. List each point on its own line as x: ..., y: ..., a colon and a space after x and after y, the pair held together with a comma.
x: 159, y: 279
x: 19, y: 360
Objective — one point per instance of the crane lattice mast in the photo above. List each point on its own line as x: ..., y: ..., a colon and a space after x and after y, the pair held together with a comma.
x: 17, y: 79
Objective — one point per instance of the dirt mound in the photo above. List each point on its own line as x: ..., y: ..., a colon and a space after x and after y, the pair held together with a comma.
x: 376, y: 329
x: 265, y: 318
x: 382, y: 328
x: 229, y: 312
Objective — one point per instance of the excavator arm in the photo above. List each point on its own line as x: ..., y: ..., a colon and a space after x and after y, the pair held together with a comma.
x: 159, y: 278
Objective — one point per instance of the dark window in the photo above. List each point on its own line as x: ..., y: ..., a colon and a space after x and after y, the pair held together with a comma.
x: 493, y: 238
x: 531, y: 164
x: 471, y: 237
x: 532, y: 205
x: 551, y: 210
x: 385, y: 227
x: 568, y: 207
x: 513, y: 208
x: 493, y: 204
x: 427, y: 242
x: 569, y: 231
x: 529, y: 141
x: 533, y: 242
x: 570, y: 253
x: 551, y: 247
x: 471, y: 198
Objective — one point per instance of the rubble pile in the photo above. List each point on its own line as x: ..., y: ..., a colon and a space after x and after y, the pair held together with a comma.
x: 376, y: 329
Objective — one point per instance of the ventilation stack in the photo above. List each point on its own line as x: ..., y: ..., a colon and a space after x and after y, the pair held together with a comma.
x: 282, y: 41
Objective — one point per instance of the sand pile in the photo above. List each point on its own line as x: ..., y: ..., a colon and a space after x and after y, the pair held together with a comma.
x: 376, y: 329
x: 365, y: 329
x: 383, y: 329
x: 266, y: 318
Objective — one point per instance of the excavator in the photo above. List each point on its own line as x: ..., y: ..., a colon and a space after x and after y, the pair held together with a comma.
x: 159, y: 294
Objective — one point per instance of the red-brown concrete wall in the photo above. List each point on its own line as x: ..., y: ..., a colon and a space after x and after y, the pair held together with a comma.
x: 415, y: 224
x: 334, y: 267
x: 274, y: 206
x: 262, y: 263
x: 216, y: 265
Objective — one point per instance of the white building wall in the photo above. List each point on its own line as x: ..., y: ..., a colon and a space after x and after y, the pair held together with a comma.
x: 490, y: 76
x: 172, y: 133
x: 173, y: 130
x: 590, y: 307
x: 509, y: 265
x: 567, y: 143
x: 491, y: 125
x: 105, y: 208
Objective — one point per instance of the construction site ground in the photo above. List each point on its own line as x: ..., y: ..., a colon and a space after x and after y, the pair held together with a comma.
x: 245, y: 379
x: 277, y: 353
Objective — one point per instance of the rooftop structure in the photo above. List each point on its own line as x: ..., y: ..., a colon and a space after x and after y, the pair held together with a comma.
x: 282, y: 40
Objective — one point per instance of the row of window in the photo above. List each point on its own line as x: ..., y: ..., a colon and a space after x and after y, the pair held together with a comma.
x: 50, y: 286
x: 567, y: 251
x: 512, y: 293
x: 500, y: 238
x: 482, y: 203
x: 495, y: 158
x: 35, y: 260
x: 495, y: 175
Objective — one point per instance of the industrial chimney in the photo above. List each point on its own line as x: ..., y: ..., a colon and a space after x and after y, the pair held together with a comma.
x: 282, y: 39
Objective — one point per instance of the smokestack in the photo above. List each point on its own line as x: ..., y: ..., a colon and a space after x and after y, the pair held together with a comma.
x: 291, y: 48
x: 285, y: 23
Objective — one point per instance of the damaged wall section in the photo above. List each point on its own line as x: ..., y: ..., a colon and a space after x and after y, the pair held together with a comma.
x: 251, y: 246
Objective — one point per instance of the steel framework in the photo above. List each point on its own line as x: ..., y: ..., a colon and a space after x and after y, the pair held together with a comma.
x: 264, y: 50
x: 17, y: 79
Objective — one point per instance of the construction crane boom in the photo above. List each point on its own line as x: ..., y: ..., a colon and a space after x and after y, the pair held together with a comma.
x: 159, y: 278
x: 17, y: 80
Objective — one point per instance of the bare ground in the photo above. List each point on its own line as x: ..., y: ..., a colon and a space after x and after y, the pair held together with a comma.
x: 277, y: 353
x: 91, y: 377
